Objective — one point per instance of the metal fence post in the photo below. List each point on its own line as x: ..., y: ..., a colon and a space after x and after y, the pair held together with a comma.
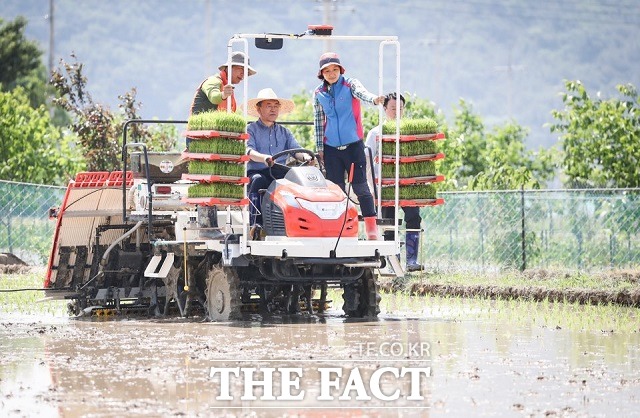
x: 9, y: 237
x: 524, y: 234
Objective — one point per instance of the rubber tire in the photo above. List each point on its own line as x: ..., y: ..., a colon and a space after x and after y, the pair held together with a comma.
x: 367, y: 297
x: 223, y: 294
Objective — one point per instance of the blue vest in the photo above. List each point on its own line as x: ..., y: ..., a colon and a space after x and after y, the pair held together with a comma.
x: 343, y: 117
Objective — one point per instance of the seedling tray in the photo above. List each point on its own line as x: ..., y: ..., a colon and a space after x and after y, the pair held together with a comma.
x: 214, y: 157
x: 215, y: 134
x: 417, y: 137
x: 413, y: 180
x: 209, y: 178
x: 391, y: 159
x: 210, y: 201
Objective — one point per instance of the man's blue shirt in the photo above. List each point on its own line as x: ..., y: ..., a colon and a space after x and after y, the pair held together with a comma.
x: 269, y: 140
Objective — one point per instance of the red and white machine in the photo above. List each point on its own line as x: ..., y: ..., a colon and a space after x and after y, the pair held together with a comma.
x: 132, y: 240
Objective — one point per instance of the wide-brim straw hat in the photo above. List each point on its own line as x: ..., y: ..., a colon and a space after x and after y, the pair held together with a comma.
x: 237, y: 58
x: 286, y: 105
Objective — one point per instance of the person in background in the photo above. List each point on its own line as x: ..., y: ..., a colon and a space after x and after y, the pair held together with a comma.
x: 214, y: 92
x: 411, y: 213
x: 267, y: 138
x: 339, y: 134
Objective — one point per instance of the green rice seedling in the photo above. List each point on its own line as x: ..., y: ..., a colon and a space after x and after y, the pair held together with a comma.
x: 410, y: 170
x: 220, y: 190
x: 418, y: 191
x: 411, y: 127
x: 218, y: 146
x: 217, y: 121
x: 409, y: 148
x: 28, y: 302
x: 218, y: 168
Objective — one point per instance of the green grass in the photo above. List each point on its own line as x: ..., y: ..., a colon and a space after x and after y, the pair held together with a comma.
x: 418, y: 191
x: 218, y: 146
x: 217, y: 121
x: 409, y: 148
x: 219, y: 168
x: 220, y: 190
x: 409, y: 170
x: 411, y: 126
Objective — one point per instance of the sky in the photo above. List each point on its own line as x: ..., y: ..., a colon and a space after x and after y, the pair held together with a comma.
x: 508, y: 58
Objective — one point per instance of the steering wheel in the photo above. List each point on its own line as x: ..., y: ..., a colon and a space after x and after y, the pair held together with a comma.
x: 291, y: 152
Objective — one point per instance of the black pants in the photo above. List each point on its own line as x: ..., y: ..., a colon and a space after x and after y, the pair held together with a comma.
x: 338, y: 162
x: 258, y: 180
x: 411, y: 218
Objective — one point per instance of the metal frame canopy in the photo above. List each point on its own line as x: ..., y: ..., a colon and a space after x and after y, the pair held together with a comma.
x: 322, y: 33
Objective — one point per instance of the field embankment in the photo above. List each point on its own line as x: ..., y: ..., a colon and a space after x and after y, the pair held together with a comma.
x: 613, y: 287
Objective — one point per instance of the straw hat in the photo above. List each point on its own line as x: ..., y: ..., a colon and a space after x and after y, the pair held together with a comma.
x: 286, y: 105
x: 237, y: 58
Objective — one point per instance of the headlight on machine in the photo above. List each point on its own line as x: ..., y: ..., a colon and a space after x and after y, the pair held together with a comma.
x: 324, y: 210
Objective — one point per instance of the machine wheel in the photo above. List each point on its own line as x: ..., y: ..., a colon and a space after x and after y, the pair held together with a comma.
x: 370, y: 301
x: 323, y: 298
x: 361, y: 299
x: 223, y: 294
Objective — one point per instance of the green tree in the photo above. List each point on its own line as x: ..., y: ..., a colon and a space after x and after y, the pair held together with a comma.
x: 302, y: 113
x: 508, y: 164
x: 498, y: 159
x: 474, y: 158
x: 31, y: 148
x: 599, y: 137
x: 21, y: 62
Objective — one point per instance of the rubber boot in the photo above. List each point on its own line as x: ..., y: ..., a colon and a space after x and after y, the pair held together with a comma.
x: 412, y: 245
x: 371, y: 227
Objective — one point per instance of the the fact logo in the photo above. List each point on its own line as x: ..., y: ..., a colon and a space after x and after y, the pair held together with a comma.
x: 374, y: 377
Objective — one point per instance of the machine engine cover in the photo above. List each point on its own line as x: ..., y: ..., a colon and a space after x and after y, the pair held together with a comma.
x: 304, y: 204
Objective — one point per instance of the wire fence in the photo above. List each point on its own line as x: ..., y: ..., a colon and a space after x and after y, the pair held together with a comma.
x: 25, y: 228
x: 585, y: 230
x: 581, y: 230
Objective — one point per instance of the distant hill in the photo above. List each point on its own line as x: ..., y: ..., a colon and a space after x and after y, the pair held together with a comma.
x: 508, y: 58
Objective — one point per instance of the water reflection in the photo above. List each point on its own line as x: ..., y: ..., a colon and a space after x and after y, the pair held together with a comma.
x: 484, y: 357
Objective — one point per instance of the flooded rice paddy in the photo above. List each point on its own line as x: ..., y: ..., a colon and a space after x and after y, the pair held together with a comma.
x: 423, y: 356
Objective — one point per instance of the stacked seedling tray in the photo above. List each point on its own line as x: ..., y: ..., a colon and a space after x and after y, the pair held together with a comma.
x: 417, y: 162
x: 216, y: 156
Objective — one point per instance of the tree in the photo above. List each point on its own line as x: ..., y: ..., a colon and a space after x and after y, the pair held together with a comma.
x: 32, y: 149
x: 21, y: 63
x: 474, y: 158
x: 93, y: 122
x: 599, y: 137
x: 303, y: 112
x: 509, y: 165
x: 99, y: 131
x: 498, y: 159
x: 156, y: 137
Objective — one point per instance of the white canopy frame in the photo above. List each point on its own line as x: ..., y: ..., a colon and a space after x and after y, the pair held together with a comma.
x: 383, y: 42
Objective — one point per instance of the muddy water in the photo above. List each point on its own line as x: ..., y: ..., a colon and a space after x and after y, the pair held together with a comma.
x: 435, y: 359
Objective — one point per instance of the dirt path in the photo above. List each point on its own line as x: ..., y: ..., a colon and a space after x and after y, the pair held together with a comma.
x: 141, y: 367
